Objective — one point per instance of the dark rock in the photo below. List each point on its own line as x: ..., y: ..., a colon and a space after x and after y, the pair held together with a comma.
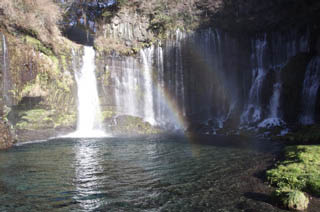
x: 292, y: 77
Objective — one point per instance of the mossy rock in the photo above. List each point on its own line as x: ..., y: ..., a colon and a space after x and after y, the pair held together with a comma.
x: 293, y: 199
x: 126, y: 124
x: 35, y: 119
x: 107, y: 114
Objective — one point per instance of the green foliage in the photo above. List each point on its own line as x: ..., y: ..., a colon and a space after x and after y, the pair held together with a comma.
x: 38, y: 45
x: 34, y: 119
x: 160, y: 23
x: 107, y: 14
x: 300, y: 170
x: 122, y: 2
x: 42, y: 119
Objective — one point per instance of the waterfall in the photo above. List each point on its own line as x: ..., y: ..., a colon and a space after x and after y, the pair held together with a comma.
x: 273, y: 119
x: 269, y: 56
x: 274, y: 104
x: 253, y: 109
x: 310, y: 90
x: 5, y: 77
x: 125, y: 73
x: 89, y: 114
x: 142, y: 88
x: 179, y: 84
x: 160, y: 86
x: 161, y: 83
x: 166, y: 107
x: 147, y: 59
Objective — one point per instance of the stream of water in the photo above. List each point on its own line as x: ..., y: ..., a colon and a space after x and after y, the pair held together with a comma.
x: 167, y: 173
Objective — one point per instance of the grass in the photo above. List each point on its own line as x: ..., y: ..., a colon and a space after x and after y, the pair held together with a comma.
x: 299, y: 171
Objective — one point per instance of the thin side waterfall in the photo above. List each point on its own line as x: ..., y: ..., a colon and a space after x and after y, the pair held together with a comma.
x: 6, y: 80
x: 273, y: 119
x: 274, y: 104
x: 310, y: 89
x: 160, y: 86
x: 147, y: 58
x: 89, y: 114
x: 179, y: 71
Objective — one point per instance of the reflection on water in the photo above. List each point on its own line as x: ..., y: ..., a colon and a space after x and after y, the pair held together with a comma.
x: 87, y: 171
x: 130, y: 174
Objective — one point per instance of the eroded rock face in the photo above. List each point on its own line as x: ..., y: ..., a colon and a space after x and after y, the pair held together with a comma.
x: 253, y: 15
x: 37, y: 86
x: 5, y: 138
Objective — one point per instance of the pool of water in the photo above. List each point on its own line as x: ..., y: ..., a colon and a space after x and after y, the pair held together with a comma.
x: 157, y: 173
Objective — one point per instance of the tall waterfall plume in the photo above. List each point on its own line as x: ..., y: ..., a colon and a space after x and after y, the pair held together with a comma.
x: 89, y: 113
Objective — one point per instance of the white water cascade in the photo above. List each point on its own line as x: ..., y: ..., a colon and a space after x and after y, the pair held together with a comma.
x: 147, y: 59
x: 270, y: 53
x: 273, y: 119
x: 89, y: 114
x: 310, y: 89
x: 253, y: 109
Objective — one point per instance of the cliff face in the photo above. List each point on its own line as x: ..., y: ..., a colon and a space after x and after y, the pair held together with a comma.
x: 37, y: 82
x: 222, y: 62
x: 110, y: 23
x: 258, y: 16
x: 38, y: 87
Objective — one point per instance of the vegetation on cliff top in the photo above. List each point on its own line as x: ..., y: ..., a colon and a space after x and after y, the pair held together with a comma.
x: 151, y: 20
x: 37, y: 18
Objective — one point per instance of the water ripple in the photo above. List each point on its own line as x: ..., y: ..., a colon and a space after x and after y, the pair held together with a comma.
x: 125, y: 174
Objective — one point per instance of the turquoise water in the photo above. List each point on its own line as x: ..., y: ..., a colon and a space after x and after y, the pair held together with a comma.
x: 164, y: 173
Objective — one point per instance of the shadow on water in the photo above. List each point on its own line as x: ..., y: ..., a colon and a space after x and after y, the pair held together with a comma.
x: 237, y: 142
x: 258, y: 197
